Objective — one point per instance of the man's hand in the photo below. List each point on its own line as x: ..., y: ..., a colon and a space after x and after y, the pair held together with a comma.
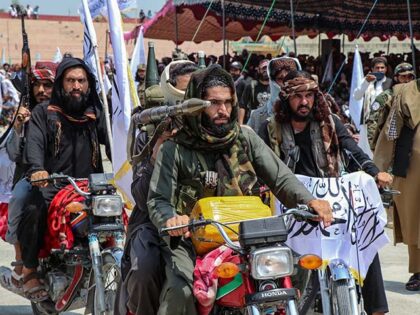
x: 370, y: 77
x: 178, y: 220
x: 23, y: 114
x: 323, y: 209
x: 40, y: 175
x: 384, y: 179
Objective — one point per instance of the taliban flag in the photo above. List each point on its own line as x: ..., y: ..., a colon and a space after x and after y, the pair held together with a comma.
x: 124, y: 98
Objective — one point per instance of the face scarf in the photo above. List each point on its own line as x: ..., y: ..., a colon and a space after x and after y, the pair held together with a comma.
x: 328, y: 134
x: 235, y: 171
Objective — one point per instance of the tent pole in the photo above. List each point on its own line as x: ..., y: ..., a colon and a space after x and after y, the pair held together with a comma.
x: 410, y: 24
x: 344, y: 41
x: 319, y: 44
x: 389, y: 46
x: 176, y: 28
x: 292, y: 16
x: 224, y: 33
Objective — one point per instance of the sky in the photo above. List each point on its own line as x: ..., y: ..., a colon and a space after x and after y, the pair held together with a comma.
x: 66, y: 7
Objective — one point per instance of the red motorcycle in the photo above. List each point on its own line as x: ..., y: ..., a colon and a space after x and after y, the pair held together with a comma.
x: 255, y: 277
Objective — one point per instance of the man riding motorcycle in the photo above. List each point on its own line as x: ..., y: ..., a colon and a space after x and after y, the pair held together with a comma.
x: 63, y: 137
x: 310, y: 139
x: 211, y: 146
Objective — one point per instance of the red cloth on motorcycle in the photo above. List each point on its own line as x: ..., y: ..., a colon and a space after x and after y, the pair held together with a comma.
x: 3, y: 220
x: 59, y: 230
x: 206, y: 282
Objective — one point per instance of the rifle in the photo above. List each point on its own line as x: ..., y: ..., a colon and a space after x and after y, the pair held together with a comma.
x: 22, y: 85
x: 157, y: 120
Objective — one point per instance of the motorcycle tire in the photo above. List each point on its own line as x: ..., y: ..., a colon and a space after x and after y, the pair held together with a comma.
x: 112, y: 278
x: 309, y: 293
x: 341, y: 298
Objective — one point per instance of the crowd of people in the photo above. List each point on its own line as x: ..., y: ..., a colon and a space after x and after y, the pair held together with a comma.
x: 17, y: 10
x: 269, y: 118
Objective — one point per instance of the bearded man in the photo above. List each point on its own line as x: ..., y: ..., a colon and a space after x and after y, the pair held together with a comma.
x: 255, y: 93
x: 310, y: 139
x: 211, y: 144
x: 60, y: 134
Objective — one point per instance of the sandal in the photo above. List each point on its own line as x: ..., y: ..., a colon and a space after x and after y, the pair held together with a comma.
x: 413, y: 283
x: 37, y: 293
x: 10, y: 280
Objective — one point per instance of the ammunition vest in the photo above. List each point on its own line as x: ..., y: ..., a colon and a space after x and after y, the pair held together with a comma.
x: 282, y: 142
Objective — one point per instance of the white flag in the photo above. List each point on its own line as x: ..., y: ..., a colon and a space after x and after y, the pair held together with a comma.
x: 99, y: 7
x: 139, y: 56
x: 122, y: 103
x: 58, y: 56
x: 328, y: 73
x: 3, y: 56
x: 89, y: 41
x: 7, y: 171
x: 357, y: 204
x: 355, y: 106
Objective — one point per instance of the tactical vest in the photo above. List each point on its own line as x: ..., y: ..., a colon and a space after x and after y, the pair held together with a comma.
x: 282, y: 142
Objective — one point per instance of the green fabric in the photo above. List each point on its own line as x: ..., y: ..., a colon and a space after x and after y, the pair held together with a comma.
x: 235, y: 172
x: 176, y: 164
x: 236, y: 282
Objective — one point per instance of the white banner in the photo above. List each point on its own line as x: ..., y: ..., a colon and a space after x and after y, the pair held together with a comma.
x: 356, y: 201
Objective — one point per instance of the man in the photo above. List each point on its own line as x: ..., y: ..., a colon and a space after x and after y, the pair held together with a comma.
x: 403, y: 73
x: 240, y: 76
x: 142, y: 266
x: 41, y: 84
x: 10, y: 96
x: 398, y: 147
x: 371, y: 87
x: 174, y: 80
x: 256, y: 93
x: 60, y: 134
x: 278, y: 68
x: 139, y: 79
x: 211, y: 143
x: 309, y: 139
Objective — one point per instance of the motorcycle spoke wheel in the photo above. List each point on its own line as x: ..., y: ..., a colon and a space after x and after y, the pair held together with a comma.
x: 341, y: 298
x: 112, y: 278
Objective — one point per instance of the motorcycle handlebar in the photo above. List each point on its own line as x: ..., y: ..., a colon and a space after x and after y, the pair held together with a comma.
x: 61, y: 177
x: 302, y: 213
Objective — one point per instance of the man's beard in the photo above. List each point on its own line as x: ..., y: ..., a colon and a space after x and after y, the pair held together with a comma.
x: 73, y: 104
x: 219, y: 131
x: 301, y: 118
x: 263, y: 76
x: 235, y: 76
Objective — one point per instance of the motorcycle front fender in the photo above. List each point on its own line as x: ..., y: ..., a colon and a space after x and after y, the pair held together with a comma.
x: 339, y: 270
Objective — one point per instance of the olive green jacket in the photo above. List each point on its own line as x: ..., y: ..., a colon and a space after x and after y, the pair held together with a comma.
x: 176, y: 186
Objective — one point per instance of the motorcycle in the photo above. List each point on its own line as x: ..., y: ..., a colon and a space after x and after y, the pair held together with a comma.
x: 256, y: 280
x: 87, y: 272
x: 335, y: 285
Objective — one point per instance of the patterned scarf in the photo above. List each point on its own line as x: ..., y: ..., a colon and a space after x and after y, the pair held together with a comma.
x: 235, y: 172
x: 323, y: 104
x: 88, y: 117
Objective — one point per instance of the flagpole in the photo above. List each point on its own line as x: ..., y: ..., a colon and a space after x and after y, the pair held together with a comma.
x: 105, y: 102
x: 106, y: 43
x: 224, y: 33
x: 176, y: 28
x: 410, y: 24
x: 292, y: 15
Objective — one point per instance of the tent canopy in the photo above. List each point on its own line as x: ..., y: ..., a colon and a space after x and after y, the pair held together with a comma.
x: 245, y: 18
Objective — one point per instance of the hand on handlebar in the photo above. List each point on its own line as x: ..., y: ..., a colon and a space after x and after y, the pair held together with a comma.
x: 176, y: 221
x: 384, y: 179
x: 39, y: 175
x: 323, y: 209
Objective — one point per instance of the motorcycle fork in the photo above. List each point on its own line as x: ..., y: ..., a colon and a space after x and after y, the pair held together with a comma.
x: 96, y: 256
x: 325, y: 292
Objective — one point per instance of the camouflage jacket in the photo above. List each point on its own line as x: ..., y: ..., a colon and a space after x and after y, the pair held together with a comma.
x: 378, y: 115
x: 176, y: 182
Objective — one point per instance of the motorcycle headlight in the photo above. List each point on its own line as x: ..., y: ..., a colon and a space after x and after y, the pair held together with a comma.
x: 107, y: 206
x: 271, y: 263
